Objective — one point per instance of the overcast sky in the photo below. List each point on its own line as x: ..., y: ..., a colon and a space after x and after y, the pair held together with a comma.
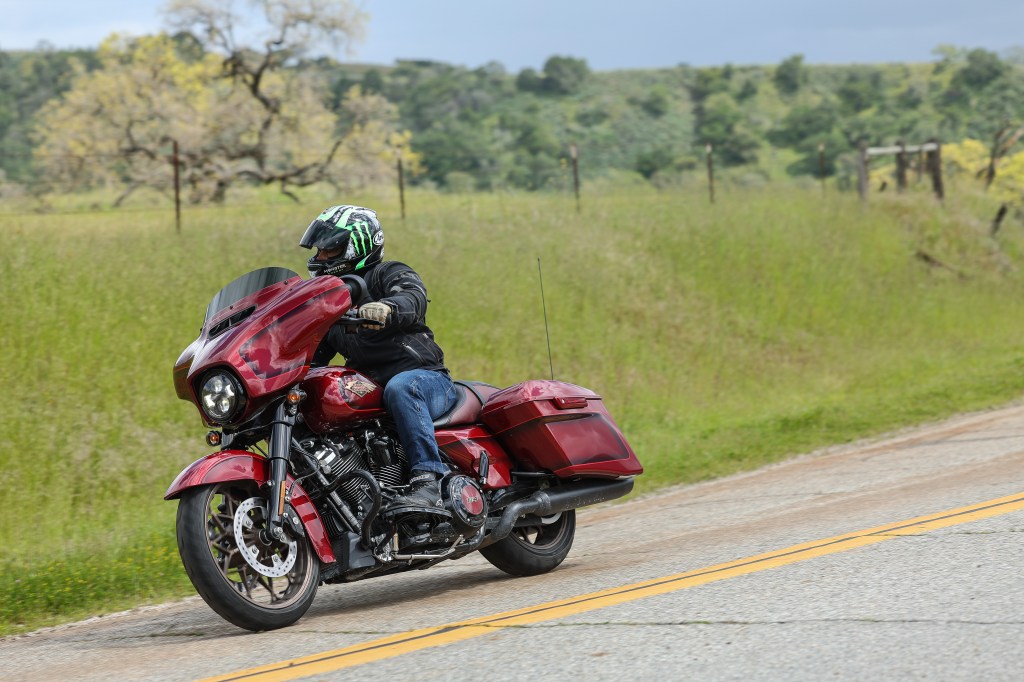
x: 608, y: 34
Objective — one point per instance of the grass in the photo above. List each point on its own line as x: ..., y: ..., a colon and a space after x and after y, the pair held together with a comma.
x: 722, y: 337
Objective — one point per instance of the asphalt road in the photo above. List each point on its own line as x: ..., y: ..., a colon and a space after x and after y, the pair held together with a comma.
x: 896, y: 559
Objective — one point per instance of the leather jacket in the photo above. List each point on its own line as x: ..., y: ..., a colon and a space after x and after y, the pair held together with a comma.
x: 405, y: 343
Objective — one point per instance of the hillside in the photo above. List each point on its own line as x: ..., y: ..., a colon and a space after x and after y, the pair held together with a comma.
x: 485, y: 128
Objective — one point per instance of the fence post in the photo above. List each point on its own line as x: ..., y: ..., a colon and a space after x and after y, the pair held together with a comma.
x: 709, y: 150
x: 901, y: 167
x: 862, y: 170
x: 401, y: 181
x: 935, y: 168
x: 574, y: 153
x: 821, y: 165
x: 177, y: 186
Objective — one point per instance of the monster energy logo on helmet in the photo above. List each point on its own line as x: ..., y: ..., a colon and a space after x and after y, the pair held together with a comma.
x: 352, y: 228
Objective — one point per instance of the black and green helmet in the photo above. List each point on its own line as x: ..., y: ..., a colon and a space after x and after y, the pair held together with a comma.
x: 350, y: 235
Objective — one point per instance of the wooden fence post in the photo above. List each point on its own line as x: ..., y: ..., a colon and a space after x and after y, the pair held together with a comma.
x: 574, y: 153
x: 821, y: 164
x: 935, y: 168
x: 401, y: 181
x: 709, y: 149
x: 177, y: 187
x: 862, y: 170
x: 901, y: 167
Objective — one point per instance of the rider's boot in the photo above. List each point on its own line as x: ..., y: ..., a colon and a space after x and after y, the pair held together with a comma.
x: 424, y: 491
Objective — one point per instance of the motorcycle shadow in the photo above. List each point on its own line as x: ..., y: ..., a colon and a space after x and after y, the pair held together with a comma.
x: 412, y: 587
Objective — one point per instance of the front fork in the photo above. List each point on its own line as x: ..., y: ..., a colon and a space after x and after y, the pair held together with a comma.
x: 285, y: 416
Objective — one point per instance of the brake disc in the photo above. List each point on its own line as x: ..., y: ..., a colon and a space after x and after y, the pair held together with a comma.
x: 265, y: 560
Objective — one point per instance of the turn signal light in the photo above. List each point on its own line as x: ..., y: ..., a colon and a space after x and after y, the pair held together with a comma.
x: 213, y: 438
x: 295, y: 396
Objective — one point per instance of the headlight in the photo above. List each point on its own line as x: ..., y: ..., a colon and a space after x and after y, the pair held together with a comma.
x: 221, y: 397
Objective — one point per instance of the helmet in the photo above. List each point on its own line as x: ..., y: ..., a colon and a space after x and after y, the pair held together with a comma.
x: 351, y: 231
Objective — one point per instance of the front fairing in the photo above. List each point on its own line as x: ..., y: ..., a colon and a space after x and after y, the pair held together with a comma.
x: 267, y: 338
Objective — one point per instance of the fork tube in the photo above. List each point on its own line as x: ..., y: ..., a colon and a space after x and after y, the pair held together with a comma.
x: 280, y: 440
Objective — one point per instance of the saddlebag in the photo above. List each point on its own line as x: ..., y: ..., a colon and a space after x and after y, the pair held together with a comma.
x: 559, y: 427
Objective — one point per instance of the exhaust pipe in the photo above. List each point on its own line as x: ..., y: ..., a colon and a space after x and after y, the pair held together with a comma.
x: 557, y: 500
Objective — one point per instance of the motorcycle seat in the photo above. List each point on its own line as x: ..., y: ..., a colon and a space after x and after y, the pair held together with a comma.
x: 472, y: 396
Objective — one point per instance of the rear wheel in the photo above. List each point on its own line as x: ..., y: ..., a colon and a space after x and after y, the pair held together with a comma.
x: 534, y: 547
x: 256, y: 586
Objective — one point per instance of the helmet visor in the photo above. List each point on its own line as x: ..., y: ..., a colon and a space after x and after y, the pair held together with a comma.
x: 344, y: 252
x: 323, y: 235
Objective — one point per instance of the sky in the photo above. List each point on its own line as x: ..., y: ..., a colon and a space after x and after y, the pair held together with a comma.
x: 607, y: 34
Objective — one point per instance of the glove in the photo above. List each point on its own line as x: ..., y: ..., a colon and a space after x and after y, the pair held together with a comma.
x: 378, y: 312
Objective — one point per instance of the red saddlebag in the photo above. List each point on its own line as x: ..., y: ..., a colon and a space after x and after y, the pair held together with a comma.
x: 559, y: 427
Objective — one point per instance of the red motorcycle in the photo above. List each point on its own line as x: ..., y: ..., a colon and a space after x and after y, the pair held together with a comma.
x: 297, y: 495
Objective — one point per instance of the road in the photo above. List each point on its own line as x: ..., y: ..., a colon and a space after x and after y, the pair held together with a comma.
x: 895, y: 559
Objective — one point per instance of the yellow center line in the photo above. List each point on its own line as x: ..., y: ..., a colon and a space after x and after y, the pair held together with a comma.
x: 415, y: 640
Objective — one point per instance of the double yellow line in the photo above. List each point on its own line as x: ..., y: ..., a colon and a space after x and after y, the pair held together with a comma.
x: 415, y: 640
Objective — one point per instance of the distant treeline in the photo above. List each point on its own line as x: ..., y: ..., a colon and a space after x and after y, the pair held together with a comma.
x: 486, y: 128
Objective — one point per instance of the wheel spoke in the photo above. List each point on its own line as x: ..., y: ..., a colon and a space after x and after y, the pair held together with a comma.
x: 268, y: 584
x: 246, y: 582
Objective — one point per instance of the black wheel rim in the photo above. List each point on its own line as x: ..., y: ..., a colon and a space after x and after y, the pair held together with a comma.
x: 261, y: 590
x: 543, y: 536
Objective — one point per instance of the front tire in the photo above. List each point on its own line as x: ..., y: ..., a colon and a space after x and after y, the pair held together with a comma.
x: 536, y: 548
x: 230, y: 585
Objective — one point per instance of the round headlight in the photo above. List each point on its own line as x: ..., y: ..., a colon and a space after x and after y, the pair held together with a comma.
x: 221, y: 396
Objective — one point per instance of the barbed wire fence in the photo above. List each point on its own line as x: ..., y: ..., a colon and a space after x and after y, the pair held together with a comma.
x: 32, y: 192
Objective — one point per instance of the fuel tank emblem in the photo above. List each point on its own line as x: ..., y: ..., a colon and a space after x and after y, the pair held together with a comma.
x: 358, y: 386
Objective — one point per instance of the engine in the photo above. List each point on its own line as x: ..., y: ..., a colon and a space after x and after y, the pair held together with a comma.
x: 372, y: 449
x: 377, y: 450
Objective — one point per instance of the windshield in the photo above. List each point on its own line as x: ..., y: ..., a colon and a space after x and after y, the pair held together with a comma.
x: 247, y: 284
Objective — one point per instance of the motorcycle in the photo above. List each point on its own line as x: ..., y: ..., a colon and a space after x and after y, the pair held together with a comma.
x: 297, y: 493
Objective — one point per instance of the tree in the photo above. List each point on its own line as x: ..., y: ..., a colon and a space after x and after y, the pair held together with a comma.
x: 651, y: 161
x: 861, y: 90
x: 237, y: 113
x: 657, y: 102
x: 790, y: 74
x: 27, y: 81
x: 982, y: 68
x: 708, y: 82
x: 529, y: 80
x: 564, y: 75
x: 720, y: 124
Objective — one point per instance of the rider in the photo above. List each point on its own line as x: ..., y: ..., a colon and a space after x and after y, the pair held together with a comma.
x: 398, y: 351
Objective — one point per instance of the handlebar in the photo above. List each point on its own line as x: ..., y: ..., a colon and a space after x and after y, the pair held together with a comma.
x: 360, y: 294
x: 352, y: 318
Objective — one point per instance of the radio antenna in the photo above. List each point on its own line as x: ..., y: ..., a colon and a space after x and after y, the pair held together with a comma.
x: 544, y: 305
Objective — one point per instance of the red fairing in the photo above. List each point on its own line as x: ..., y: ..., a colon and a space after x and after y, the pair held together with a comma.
x: 464, y: 445
x: 344, y: 397
x: 272, y: 347
x: 559, y: 427
x: 242, y: 465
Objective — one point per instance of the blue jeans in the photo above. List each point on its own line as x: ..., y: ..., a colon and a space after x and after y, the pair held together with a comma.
x: 415, y: 399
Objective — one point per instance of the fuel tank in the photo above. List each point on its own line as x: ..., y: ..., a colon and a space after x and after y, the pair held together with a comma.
x: 338, y: 398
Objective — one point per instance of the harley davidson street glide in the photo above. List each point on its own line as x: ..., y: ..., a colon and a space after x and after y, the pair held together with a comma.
x: 297, y: 493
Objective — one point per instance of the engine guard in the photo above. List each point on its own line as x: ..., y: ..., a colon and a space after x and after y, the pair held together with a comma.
x: 242, y: 465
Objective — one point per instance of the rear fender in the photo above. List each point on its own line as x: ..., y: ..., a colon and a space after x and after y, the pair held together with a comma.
x: 242, y: 465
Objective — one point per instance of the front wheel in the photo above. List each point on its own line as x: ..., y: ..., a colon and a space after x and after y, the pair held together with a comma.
x: 534, y: 547
x: 249, y: 583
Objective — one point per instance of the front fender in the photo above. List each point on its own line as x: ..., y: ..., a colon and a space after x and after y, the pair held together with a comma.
x: 242, y: 465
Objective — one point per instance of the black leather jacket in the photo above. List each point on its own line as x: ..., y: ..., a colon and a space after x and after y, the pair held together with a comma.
x: 405, y: 343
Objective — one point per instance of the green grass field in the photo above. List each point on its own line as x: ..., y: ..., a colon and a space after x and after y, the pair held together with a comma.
x: 722, y: 338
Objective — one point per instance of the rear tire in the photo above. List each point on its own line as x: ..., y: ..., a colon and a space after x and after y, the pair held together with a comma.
x: 222, y: 577
x: 532, y: 550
